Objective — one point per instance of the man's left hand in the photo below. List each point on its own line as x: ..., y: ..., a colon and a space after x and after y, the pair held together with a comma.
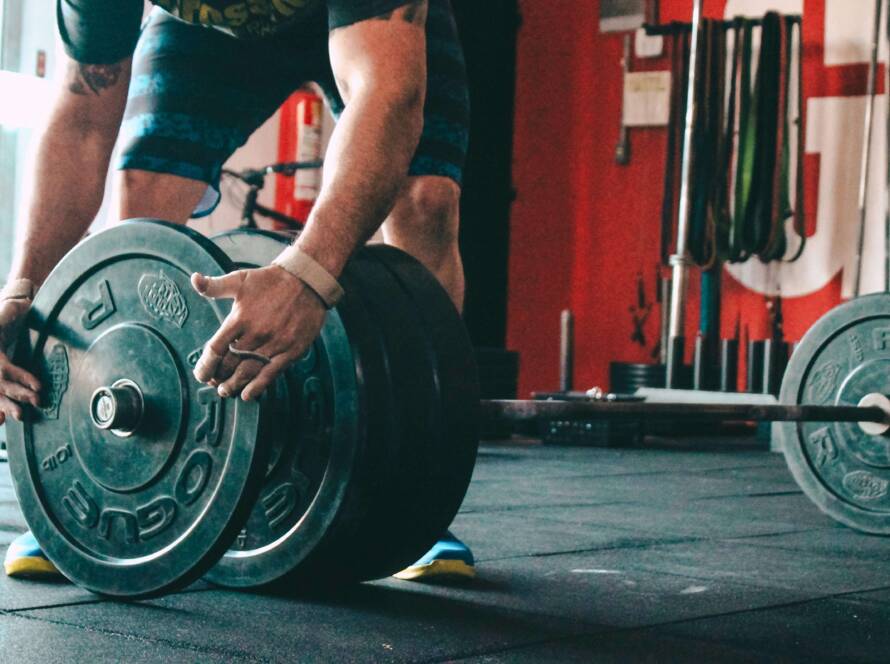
x: 274, y: 315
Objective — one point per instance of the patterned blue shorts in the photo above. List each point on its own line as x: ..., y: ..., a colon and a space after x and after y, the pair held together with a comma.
x: 197, y: 95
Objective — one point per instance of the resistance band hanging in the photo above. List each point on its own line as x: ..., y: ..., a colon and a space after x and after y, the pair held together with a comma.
x: 757, y: 214
x: 763, y: 190
x: 716, y: 120
x: 741, y: 161
x: 747, y: 122
x: 780, y: 208
x: 701, y: 235
x: 723, y: 175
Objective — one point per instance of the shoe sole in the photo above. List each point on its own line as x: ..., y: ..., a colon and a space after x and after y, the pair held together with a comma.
x: 31, y: 567
x: 455, y: 568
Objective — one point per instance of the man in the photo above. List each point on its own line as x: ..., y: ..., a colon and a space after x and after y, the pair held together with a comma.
x: 184, y: 92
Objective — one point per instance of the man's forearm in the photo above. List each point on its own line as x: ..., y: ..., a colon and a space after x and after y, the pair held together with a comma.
x: 366, y: 165
x: 67, y: 175
x: 67, y: 182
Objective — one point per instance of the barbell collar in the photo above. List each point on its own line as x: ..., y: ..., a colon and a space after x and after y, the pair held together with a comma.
x: 118, y: 408
x: 875, y: 400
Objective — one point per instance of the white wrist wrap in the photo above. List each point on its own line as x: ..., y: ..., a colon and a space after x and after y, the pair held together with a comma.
x: 306, y: 269
x: 18, y: 289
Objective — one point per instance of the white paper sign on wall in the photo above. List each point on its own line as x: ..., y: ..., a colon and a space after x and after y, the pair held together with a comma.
x: 647, y: 98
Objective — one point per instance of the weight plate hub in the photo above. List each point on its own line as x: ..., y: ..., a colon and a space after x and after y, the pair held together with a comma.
x: 134, y: 477
x: 841, y: 360
x: 311, y: 423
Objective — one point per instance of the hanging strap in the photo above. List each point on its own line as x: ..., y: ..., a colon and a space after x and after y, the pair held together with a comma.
x: 753, y: 234
x: 767, y: 151
x: 701, y: 166
x: 780, y: 205
x: 723, y: 211
x: 716, y: 146
x: 746, y: 146
x: 709, y: 134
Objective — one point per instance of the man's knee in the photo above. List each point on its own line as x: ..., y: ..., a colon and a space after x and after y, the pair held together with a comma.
x: 427, y: 213
x: 163, y: 195
x: 425, y: 223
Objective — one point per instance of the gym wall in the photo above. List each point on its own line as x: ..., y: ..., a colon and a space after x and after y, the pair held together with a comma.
x: 583, y: 228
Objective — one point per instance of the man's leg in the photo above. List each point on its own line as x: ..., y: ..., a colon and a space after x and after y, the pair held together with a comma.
x: 425, y: 223
x: 157, y: 195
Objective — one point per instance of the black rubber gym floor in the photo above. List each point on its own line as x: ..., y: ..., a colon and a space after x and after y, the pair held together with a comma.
x: 673, y: 552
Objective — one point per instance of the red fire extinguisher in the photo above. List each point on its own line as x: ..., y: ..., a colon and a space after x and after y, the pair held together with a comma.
x: 299, y: 139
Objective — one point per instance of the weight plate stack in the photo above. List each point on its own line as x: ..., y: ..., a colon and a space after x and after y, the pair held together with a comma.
x: 134, y: 477
x: 311, y: 422
x: 394, y: 521
x: 417, y: 466
x: 356, y: 546
x: 841, y: 359
x: 449, y: 455
x: 628, y: 377
x: 406, y: 443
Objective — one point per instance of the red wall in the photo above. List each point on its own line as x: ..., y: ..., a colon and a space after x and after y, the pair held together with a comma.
x: 582, y: 228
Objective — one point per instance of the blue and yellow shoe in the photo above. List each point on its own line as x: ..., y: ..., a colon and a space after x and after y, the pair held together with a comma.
x: 25, y: 559
x: 449, y: 558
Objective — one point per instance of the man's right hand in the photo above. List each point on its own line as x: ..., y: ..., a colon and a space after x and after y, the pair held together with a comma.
x: 17, y: 386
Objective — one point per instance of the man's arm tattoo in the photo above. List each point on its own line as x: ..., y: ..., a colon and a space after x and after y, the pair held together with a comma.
x: 86, y: 79
x: 414, y: 12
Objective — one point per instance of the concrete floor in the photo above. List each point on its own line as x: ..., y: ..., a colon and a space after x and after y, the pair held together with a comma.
x: 671, y: 552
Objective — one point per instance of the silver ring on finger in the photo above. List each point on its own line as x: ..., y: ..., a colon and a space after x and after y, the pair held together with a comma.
x: 249, y: 355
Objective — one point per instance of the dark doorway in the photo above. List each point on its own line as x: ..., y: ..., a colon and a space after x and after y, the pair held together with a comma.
x: 488, y: 32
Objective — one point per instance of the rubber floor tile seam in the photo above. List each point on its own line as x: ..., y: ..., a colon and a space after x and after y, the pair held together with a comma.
x: 172, y: 643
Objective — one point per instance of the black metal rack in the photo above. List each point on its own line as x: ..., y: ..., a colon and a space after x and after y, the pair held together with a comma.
x: 676, y: 27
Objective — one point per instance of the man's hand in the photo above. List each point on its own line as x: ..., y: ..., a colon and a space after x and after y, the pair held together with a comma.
x: 17, y: 386
x: 274, y: 315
